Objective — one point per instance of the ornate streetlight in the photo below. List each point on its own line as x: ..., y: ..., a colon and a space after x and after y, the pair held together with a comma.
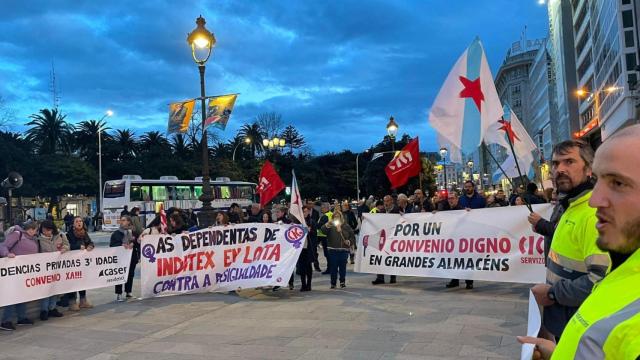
x: 470, y: 166
x: 392, y: 130
x: 274, y: 143
x: 202, y: 41
x: 443, y: 155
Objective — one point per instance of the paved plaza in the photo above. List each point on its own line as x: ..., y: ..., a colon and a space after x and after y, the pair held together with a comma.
x: 414, y: 319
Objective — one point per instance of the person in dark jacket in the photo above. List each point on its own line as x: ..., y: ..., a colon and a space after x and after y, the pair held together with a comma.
x: 454, y: 204
x: 471, y: 199
x: 353, y: 223
x: 313, y: 234
x: 68, y: 221
x: 546, y: 227
x: 339, y: 239
x: 79, y: 239
x: 124, y: 237
x: 20, y: 241
x: 256, y: 214
x: 306, y: 256
x: 501, y: 199
x: 531, y: 196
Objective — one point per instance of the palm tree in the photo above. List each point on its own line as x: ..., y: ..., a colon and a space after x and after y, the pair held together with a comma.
x: 181, y: 148
x: 50, y: 132
x: 154, y: 141
x: 256, y: 134
x: 126, y: 145
x: 86, y: 138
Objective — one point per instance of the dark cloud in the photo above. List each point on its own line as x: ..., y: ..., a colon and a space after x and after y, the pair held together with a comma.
x: 336, y: 70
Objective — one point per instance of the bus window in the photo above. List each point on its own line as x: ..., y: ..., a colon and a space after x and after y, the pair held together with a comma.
x: 114, y: 190
x: 183, y: 192
x: 140, y: 193
x: 225, y: 192
x: 159, y: 192
x: 243, y: 192
x: 171, y: 192
x: 197, y: 191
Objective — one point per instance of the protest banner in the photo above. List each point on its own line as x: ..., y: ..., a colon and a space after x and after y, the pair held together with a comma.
x: 221, y: 258
x: 30, y: 277
x: 494, y: 244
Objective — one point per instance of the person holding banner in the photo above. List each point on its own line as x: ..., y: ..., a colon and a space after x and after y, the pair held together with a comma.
x: 340, y: 236
x: 50, y: 240
x: 607, y: 324
x: 78, y: 240
x: 574, y: 263
x: 20, y: 241
x: 390, y: 208
x: 124, y: 237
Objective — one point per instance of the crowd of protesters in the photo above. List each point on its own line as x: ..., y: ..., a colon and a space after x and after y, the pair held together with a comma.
x: 584, y: 244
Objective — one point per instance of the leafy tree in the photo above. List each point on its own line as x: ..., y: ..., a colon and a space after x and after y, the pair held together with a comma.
x: 293, y: 138
x: 49, y: 132
x: 270, y: 123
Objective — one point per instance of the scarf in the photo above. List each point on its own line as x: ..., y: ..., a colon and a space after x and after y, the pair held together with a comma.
x: 80, y: 234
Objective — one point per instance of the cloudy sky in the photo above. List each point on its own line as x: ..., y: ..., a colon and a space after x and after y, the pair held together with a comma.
x: 336, y: 70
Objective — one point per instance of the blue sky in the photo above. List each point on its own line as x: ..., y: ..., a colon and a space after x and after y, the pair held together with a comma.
x: 336, y: 70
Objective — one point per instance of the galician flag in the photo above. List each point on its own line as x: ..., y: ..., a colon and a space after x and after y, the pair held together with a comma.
x: 296, y: 201
x: 523, y: 146
x: 467, y: 104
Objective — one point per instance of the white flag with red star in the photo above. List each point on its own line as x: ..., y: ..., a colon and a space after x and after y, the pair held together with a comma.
x: 467, y: 104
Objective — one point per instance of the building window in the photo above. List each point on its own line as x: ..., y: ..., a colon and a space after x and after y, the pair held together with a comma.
x: 515, y: 89
x: 631, y: 61
x: 627, y: 19
x: 628, y: 38
x: 626, y: 2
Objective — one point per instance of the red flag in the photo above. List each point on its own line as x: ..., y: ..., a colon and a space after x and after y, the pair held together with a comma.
x: 404, y: 166
x: 269, y: 183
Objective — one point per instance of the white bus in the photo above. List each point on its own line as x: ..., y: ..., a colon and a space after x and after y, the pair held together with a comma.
x: 147, y: 195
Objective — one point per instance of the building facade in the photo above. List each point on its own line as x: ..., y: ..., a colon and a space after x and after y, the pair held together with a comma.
x: 606, y: 53
x: 561, y: 48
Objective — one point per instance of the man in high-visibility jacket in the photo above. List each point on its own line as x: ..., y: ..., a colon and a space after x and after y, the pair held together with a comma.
x: 326, y: 216
x: 574, y: 263
x: 607, y: 324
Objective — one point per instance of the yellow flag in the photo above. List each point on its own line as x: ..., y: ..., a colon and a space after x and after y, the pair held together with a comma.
x: 180, y: 116
x: 219, y: 111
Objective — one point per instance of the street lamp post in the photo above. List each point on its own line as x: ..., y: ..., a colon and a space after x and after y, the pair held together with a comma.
x: 443, y: 155
x: 202, y: 41
x: 99, y: 202
x: 392, y: 130
x: 358, y: 176
x: 470, y: 166
x: 246, y: 141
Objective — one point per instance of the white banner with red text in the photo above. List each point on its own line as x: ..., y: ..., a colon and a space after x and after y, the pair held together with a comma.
x: 30, y: 277
x: 221, y: 258
x: 493, y: 244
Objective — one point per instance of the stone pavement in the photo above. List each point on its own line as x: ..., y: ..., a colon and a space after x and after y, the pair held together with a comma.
x: 414, y: 319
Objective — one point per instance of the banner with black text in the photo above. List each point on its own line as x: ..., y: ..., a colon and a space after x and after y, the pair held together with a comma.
x: 30, y: 277
x: 221, y: 258
x: 493, y: 244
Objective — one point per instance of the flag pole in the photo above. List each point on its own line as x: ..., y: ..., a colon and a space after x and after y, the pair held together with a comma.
x: 515, y: 158
x: 499, y: 166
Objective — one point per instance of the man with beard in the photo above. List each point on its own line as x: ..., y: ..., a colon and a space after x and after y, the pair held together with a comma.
x: 574, y: 263
x: 607, y: 324
x: 470, y: 199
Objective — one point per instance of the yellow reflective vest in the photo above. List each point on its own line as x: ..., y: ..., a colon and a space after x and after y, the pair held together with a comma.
x: 374, y: 210
x: 329, y: 216
x: 574, y: 263
x: 607, y: 325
